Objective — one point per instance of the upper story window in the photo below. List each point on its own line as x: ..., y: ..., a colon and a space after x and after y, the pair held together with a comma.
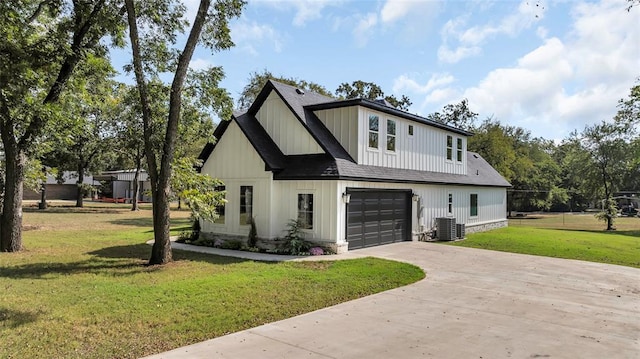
x: 246, y: 204
x: 391, y: 135
x: 450, y: 148
x: 459, y: 149
x: 305, y: 210
x: 374, y: 125
x: 410, y: 130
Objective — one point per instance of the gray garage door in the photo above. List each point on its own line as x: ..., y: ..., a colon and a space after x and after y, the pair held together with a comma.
x: 376, y: 217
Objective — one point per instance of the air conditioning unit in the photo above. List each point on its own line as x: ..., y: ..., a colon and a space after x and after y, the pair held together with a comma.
x: 460, y: 230
x: 446, y: 228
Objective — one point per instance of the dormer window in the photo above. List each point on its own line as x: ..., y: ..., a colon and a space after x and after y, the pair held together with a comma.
x: 374, y: 125
x: 391, y: 135
x: 449, y: 148
x: 459, y: 149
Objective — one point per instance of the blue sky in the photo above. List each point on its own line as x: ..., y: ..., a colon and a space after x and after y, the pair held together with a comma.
x: 547, y: 66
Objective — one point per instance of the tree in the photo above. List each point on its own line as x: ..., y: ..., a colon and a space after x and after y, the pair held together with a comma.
x: 457, y: 115
x: 162, y: 19
x: 83, y: 143
x: 606, y: 163
x: 42, y: 44
x: 371, y: 91
x: 257, y: 80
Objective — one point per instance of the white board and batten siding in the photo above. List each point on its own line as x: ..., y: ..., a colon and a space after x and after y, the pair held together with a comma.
x: 236, y: 163
x: 434, y: 200
x: 326, y: 203
x: 343, y: 124
x: 425, y: 150
x: 285, y: 129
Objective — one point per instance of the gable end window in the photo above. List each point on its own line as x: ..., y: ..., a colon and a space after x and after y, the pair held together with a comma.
x: 305, y: 210
x: 449, y: 148
x: 391, y: 135
x: 459, y: 149
x: 473, y: 205
x: 374, y: 125
x: 246, y: 204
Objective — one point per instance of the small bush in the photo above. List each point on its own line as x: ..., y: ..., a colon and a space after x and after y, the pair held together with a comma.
x: 316, y: 251
x: 232, y: 244
x: 294, y: 242
x: 253, y: 234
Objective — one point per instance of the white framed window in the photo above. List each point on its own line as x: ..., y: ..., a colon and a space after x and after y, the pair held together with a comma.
x: 246, y: 204
x: 391, y: 135
x: 410, y: 130
x: 473, y: 205
x: 450, y: 203
x: 220, y: 208
x: 449, y: 147
x: 374, y: 128
x: 305, y: 210
x: 459, y: 149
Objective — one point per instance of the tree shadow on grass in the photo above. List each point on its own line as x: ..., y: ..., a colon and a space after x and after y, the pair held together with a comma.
x: 630, y: 233
x: 14, y: 318
x: 113, y: 261
x: 138, y: 222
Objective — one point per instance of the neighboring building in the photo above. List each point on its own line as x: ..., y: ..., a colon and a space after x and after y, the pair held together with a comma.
x: 65, y: 188
x: 118, y: 185
x: 357, y: 173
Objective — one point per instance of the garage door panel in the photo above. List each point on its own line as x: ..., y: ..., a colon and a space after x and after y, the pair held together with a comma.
x: 377, y: 217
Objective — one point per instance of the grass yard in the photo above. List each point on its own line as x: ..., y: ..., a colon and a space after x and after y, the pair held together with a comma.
x: 565, y: 236
x: 82, y: 290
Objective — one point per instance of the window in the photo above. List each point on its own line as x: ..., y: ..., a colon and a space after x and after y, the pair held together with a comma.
x: 459, y: 149
x: 391, y: 135
x: 305, y: 211
x: 246, y: 204
x: 410, y: 130
x: 373, y: 131
x: 220, y: 207
x: 449, y: 147
x: 450, y: 204
x: 473, y: 200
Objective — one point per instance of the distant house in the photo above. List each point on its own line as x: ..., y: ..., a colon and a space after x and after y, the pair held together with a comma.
x: 355, y: 173
x: 64, y: 189
x: 118, y: 185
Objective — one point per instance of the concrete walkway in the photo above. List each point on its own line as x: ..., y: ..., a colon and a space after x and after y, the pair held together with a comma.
x: 473, y: 304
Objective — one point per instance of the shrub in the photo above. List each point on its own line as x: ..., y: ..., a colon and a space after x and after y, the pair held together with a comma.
x: 294, y: 242
x: 253, y: 234
x: 232, y: 244
x: 316, y: 251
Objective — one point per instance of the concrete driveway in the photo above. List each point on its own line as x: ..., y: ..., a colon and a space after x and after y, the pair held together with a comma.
x: 472, y: 304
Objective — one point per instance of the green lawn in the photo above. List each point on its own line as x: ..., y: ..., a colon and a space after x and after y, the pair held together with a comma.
x: 573, y: 237
x: 81, y: 289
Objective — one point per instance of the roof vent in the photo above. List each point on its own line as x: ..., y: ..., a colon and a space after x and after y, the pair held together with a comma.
x: 299, y: 92
x: 383, y: 102
x: 475, y: 156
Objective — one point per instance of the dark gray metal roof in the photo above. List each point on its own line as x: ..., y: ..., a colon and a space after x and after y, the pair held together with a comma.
x: 336, y: 163
x: 318, y: 167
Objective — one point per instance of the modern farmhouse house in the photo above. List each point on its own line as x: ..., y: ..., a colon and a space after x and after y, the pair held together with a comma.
x: 356, y: 173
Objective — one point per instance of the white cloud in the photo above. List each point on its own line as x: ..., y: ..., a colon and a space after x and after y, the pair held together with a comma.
x: 469, y: 40
x: 364, y: 29
x: 200, y: 64
x: 406, y: 84
x: 248, y: 35
x: 396, y: 9
x: 305, y: 10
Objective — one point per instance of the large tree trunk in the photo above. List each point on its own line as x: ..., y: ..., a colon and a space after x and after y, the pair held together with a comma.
x: 11, y: 220
x: 80, y: 196
x: 136, y: 186
x: 160, y: 174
